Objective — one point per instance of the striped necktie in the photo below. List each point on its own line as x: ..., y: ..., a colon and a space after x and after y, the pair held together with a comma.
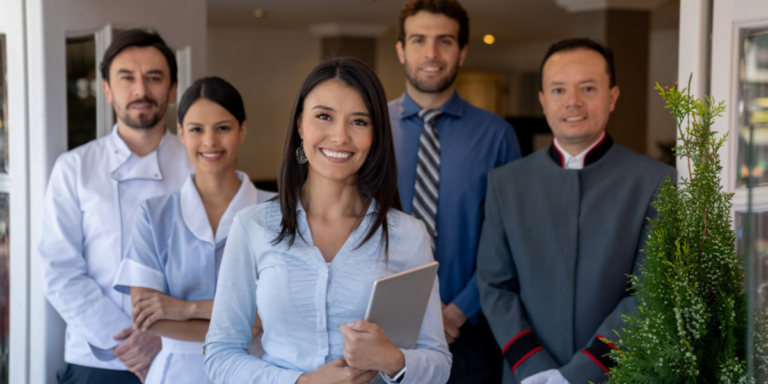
x: 428, y: 173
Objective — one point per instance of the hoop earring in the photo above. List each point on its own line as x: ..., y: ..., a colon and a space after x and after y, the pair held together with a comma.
x: 301, y: 157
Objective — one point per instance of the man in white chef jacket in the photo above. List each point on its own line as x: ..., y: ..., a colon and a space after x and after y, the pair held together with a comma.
x: 93, y: 193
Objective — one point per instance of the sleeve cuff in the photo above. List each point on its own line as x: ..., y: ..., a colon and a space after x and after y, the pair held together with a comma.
x: 469, y: 303
x: 398, y: 378
x: 102, y: 354
x: 582, y: 369
x: 526, y: 356
x: 591, y: 363
x: 132, y: 274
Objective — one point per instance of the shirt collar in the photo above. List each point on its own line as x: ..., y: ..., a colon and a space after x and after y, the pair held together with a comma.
x: 196, y: 218
x: 454, y: 106
x: 128, y: 166
x: 590, y: 155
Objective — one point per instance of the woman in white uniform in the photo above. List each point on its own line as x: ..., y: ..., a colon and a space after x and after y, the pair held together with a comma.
x: 171, y: 266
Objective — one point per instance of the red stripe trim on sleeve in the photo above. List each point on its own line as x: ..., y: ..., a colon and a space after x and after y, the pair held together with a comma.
x: 609, y: 343
x: 527, y: 355
x: 599, y: 364
x: 504, y: 350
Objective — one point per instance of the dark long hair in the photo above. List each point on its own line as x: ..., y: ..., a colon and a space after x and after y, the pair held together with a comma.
x: 376, y: 179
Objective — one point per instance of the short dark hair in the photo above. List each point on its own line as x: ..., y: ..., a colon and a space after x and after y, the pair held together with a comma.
x: 376, y: 179
x: 581, y: 43
x: 214, y: 89
x: 450, y: 8
x: 138, y: 38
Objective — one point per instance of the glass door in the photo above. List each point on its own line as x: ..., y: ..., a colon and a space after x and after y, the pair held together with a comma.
x: 752, y: 174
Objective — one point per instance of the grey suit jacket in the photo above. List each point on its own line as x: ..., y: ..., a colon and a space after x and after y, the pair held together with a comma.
x: 555, y: 251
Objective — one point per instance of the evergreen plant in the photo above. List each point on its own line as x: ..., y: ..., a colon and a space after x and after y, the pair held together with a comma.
x: 691, y: 323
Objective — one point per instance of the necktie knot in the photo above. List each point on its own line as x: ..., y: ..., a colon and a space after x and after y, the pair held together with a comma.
x: 430, y: 115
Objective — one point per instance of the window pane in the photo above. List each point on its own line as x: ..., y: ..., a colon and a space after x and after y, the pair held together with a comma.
x: 753, y: 105
x: 755, y: 236
x: 4, y: 294
x: 81, y: 91
x: 3, y: 108
x: 758, y: 270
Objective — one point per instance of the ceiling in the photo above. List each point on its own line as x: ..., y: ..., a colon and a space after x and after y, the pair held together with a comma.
x: 507, y: 20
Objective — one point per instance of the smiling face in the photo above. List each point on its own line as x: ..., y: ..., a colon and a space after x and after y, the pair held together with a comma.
x: 431, y: 53
x: 139, y: 87
x: 577, y: 97
x: 336, y: 128
x: 211, y: 136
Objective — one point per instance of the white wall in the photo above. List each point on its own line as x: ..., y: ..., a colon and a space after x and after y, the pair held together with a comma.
x: 662, y: 68
x: 48, y: 22
x: 3, y: 15
x: 267, y: 67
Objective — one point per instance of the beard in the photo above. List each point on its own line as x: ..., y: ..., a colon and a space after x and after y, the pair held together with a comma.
x: 425, y: 87
x: 143, y: 120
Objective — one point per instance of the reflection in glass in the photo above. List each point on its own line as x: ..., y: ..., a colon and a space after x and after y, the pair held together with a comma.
x: 752, y: 240
x: 3, y: 108
x: 4, y: 294
x: 81, y: 90
x: 753, y: 106
x: 759, y: 267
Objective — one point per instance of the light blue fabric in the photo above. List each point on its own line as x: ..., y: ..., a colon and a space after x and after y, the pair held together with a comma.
x: 173, y: 250
x: 303, y: 301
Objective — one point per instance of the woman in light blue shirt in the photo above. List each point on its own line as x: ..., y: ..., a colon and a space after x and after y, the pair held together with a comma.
x: 172, y: 263
x: 308, y: 261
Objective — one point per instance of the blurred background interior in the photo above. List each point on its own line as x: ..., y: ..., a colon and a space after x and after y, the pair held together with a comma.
x: 265, y: 48
x: 51, y: 99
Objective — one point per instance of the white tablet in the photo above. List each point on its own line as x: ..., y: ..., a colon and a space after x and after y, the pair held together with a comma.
x: 398, y: 303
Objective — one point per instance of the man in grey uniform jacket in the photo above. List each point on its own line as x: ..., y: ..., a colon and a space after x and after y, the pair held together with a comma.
x: 564, y: 227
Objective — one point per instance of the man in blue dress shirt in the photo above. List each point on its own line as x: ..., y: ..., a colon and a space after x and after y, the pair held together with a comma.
x: 445, y: 148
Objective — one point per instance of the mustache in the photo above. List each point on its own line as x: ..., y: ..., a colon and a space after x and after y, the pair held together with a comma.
x: 431, y: 64
x: 142, y: 100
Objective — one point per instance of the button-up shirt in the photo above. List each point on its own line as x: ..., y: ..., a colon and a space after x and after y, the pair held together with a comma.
x: 575, y: 162
x: 93, y: 195
x: 472, y: 142
x: 302, y: 301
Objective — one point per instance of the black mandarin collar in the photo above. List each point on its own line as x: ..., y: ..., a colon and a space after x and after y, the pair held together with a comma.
x: 594, y: 154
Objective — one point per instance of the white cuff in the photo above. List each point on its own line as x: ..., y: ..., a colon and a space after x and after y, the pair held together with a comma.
x: 395, y: 379
x: 132, y: 274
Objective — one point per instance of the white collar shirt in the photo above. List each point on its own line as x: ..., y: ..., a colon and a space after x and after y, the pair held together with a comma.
x: 576, y: 162
x: 93, y: 194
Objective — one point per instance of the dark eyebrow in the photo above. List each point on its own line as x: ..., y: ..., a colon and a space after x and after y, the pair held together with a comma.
x: 581, y: 82
x: 438, y: 36
x: 362, y: 114
x: 126, y: 71
x: 323, y: 107
x: 217, y: 123
x: 155, y: 72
